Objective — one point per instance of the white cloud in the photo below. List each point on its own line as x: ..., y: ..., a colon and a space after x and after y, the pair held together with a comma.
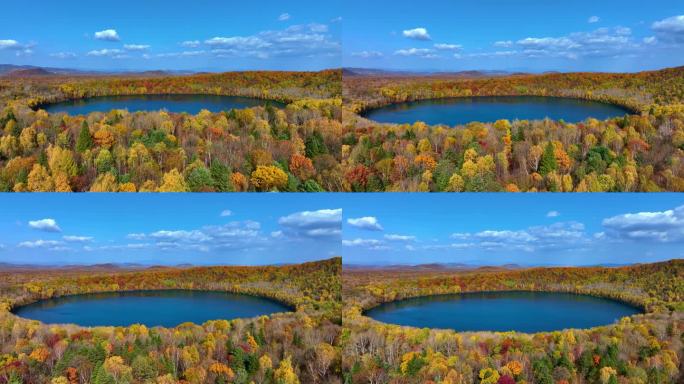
x: 17, y: 47
x: 107, y: 35
x: 553, y: 214
x: 77, y: 239
x: 238, y: 42
x: 504, y: 44
x: 555, y: 236
x: 419, y: 52
x: 136, y: 47
x: 182, y: 54
x: 113, y: 53
x: 417, y: 34
x: 180, y: 235
x: 670, y: 29
x: 226, y: 213
x: 47, y: 225
x: 367, y: 54
x: 368, y: 223
x: 602, y: 42
x: 660, y: 226
x: 593, y: 19
x: 320, y: 224
x: 191, y: 43
x: 284, y: 17
x: 395, y: 237
x: 448, y: 47
x: 9, y: 44
x: 233, y: 236
x: 39, y: 244
x: 63, y: 55
x: 650, y: 40
x: 370, y: 244
x: 297, y: 40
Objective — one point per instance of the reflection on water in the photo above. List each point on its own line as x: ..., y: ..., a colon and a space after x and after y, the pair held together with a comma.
x: 463, y: 110
x: 164, y: 308
x: 192, y: 104
x: 503, y: 311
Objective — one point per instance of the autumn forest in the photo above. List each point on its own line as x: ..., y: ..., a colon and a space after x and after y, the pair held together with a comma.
x: 319, y: 142
x: 342, y: 192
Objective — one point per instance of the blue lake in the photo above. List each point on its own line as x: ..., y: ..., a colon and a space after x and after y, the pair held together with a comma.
x: 503, y: 311
x: 463, y: 110
x: 172, y: 103
x: 166, y: 308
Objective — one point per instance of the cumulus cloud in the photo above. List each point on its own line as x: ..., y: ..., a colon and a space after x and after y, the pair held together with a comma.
x: 191, y: 43
x: 368, y: 223
x: 9, y: 44
x: 63, y: 55
x: 448, y: 47
x: 180, y: 235
x: 39, y: 244
x: 361, y: 243
x: 417, y: 34
x: 659, y: 226
x: 320, y: 224
x: 107, y: 35
x: 670, y: 29
x: 395, y: 237
x: 183, y: 54
x: 113, y: 53
x: 593, y: 19
x: 78, y: 239
x: 47, y: 225
x: 419, y: 52
x: 602, y: 42
x: 555, y: 236
x: 367, y: 54
x: 226, y: 213
x: 297, y: 40
x: 284, y: 17
x: 19, y: 48
x: 136, y: 47
x: 234, y: 235
x: 553, y: 214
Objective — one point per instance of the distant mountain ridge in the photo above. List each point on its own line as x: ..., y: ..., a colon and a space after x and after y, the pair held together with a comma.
x: 10, y: 70
x: 473, y: 267
x: 470, y: 74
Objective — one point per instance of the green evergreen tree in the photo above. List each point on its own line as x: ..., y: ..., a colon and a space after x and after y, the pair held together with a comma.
x: 220, y: 175
x: 548, y: 162
x: 85, y: 141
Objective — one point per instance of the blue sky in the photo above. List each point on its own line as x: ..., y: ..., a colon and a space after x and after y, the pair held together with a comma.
x: 171, y: 34
x: 527, y: 35
x: 387, y: 228
x: 526, y: 229
x: 242, y: 229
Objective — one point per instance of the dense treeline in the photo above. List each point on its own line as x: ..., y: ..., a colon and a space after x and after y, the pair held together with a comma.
x: 287, y: 348
x: 641, y: 152
x: 316, y: 144
x: 295, y: 148
x: 641, y: 349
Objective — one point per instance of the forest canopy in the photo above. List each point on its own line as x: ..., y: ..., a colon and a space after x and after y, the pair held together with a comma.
x: 293, y: 347
x: 643, y: 349
x: 640, y: 152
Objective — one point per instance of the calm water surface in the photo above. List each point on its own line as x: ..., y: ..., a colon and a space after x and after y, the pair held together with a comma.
x: 173, y: 103
x: 503, y: 311
x: 463, y: 110
x: 153, y: 308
